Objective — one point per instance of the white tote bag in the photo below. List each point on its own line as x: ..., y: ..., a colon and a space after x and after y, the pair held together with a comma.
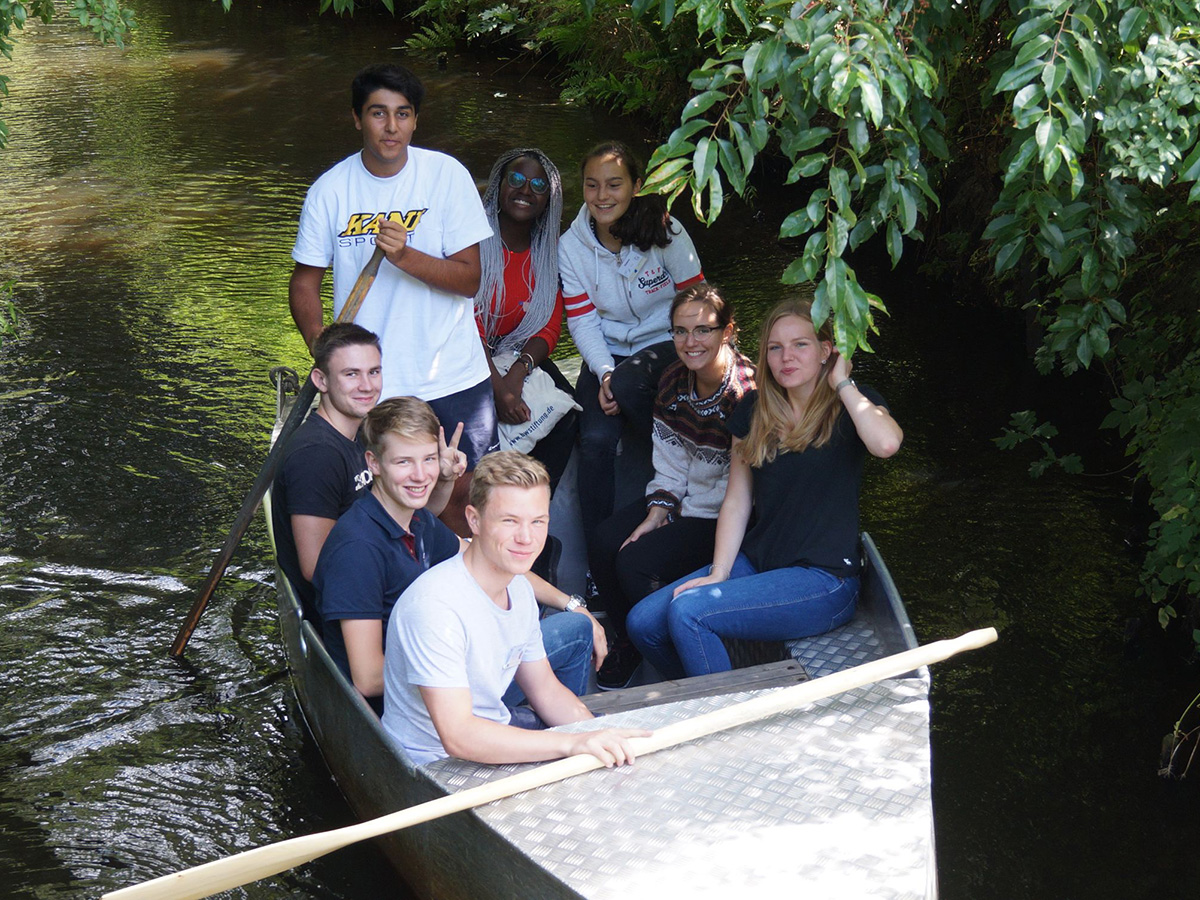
x: 547, y: 404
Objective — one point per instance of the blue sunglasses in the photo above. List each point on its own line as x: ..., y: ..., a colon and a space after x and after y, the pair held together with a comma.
x: 516, y: 181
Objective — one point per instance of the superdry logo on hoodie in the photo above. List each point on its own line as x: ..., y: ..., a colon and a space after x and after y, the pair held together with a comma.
x: 652, y: 280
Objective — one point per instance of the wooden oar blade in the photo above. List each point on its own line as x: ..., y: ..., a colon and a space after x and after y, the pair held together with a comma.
x: 234, y: 871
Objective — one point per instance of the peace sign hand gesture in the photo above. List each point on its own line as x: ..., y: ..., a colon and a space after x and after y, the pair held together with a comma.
x: 451, y: 461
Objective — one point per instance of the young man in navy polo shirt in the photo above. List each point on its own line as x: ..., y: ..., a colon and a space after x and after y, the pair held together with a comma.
x: 390, y: 537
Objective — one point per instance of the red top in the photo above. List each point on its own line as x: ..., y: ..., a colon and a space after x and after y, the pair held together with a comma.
x: 517, y: 278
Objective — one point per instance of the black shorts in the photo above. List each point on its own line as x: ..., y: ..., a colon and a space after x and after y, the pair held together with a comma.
x: 475, y: 407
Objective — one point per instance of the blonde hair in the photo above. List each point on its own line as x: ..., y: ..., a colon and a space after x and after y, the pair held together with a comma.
x: 408, y: 418
x: 504, y: 469
x: 773, y: 427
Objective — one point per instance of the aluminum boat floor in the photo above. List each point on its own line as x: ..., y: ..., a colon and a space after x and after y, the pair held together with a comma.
x: 829, y: 801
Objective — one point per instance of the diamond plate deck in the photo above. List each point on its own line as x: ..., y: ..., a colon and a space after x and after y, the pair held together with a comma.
x: 853, y: 644
x: 832, y: 800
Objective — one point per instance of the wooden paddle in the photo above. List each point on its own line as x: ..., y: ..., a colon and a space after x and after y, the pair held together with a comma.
x: 267, y: 473
x: 262, y: 862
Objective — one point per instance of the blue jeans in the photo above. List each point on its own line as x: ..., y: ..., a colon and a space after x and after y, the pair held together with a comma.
x: 681, y: 636
x: 567, y: 638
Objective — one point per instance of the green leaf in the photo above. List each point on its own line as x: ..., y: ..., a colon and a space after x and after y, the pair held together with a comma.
x: 807, y: 166
x: 1054, y: 74
x: 837, y: 234
x: 750, y: 61
x: 716, y: 199
x: 839, y: 187
x: 1021, y: 161
x: 856, y: 130
x: 704, y: 162
x: 1034, y: 49
x: 895, y: 243
x: 699, y: 104
x: 998, y: 226
x: 908, y: 209
x: 795, y: 273
x: 1083, y: 350
x: 1018, y: 76
x: 814, y: 253
x: 760, y: 133
x: 1190, y: 167
x: 872, y: 100
x: 796, y: 224
x: 807, y: 139
x: 664, y: 173
x: 1088, y: 271
x: 731, y: 164
x: 1008, y: 254
x: 1132, y: 24
x: 1031, y: 28
x: 742, y: 140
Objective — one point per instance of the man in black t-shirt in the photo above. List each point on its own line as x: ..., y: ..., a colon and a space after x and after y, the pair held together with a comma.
x: 324, y: 470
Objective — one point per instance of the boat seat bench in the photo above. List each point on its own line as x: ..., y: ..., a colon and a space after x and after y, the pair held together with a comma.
x: 767, y: 675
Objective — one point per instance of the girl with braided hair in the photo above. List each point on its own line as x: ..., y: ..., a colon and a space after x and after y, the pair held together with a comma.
x: 519, y: 306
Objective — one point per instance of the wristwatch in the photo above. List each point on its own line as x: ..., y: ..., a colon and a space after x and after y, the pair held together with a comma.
x: 575, y: 602
x: 845, y: 382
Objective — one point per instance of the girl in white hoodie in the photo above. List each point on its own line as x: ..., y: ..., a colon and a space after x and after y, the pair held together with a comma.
x: 622, y: 261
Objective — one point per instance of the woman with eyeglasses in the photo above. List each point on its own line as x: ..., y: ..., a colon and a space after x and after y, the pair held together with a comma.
x: 519, y: 306
x: 622, y: 260
x: 652, y: 542
x: 799, y: 445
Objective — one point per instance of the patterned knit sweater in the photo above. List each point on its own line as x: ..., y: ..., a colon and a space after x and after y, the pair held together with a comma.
x: 692, y: 440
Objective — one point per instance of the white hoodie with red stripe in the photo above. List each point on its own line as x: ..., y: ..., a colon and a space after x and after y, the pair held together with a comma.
x: 619, y: 303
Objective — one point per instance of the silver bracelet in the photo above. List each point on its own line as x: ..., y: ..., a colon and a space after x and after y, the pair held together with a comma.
x: 843, y: 383
x: 527, y: 359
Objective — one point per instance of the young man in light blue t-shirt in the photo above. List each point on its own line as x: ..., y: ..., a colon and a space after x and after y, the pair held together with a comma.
x: 466, y: 629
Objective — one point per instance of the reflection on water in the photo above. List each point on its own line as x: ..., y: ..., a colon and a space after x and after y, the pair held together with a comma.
x: 149, y: 204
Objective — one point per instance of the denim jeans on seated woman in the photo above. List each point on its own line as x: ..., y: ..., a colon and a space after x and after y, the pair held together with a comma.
x: 681, y: 636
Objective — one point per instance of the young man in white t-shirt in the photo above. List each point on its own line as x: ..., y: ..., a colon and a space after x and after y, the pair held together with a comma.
x: 461, y: 633
x: 423, y: 209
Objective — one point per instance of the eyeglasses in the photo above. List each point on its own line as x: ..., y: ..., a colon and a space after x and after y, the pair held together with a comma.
x: 516, y: 181
x: 701, y: 332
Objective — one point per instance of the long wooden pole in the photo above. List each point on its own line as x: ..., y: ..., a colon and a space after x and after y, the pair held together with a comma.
x: 262, y: 862
x: 267, y: 473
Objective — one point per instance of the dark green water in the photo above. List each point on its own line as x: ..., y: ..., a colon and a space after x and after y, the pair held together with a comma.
x: 148, y: 202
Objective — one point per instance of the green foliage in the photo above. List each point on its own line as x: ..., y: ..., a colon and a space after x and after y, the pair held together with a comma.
x: 603, y: 54
x: 1024, y: 427
x: 108, y: 19
x: 1157, y: 412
